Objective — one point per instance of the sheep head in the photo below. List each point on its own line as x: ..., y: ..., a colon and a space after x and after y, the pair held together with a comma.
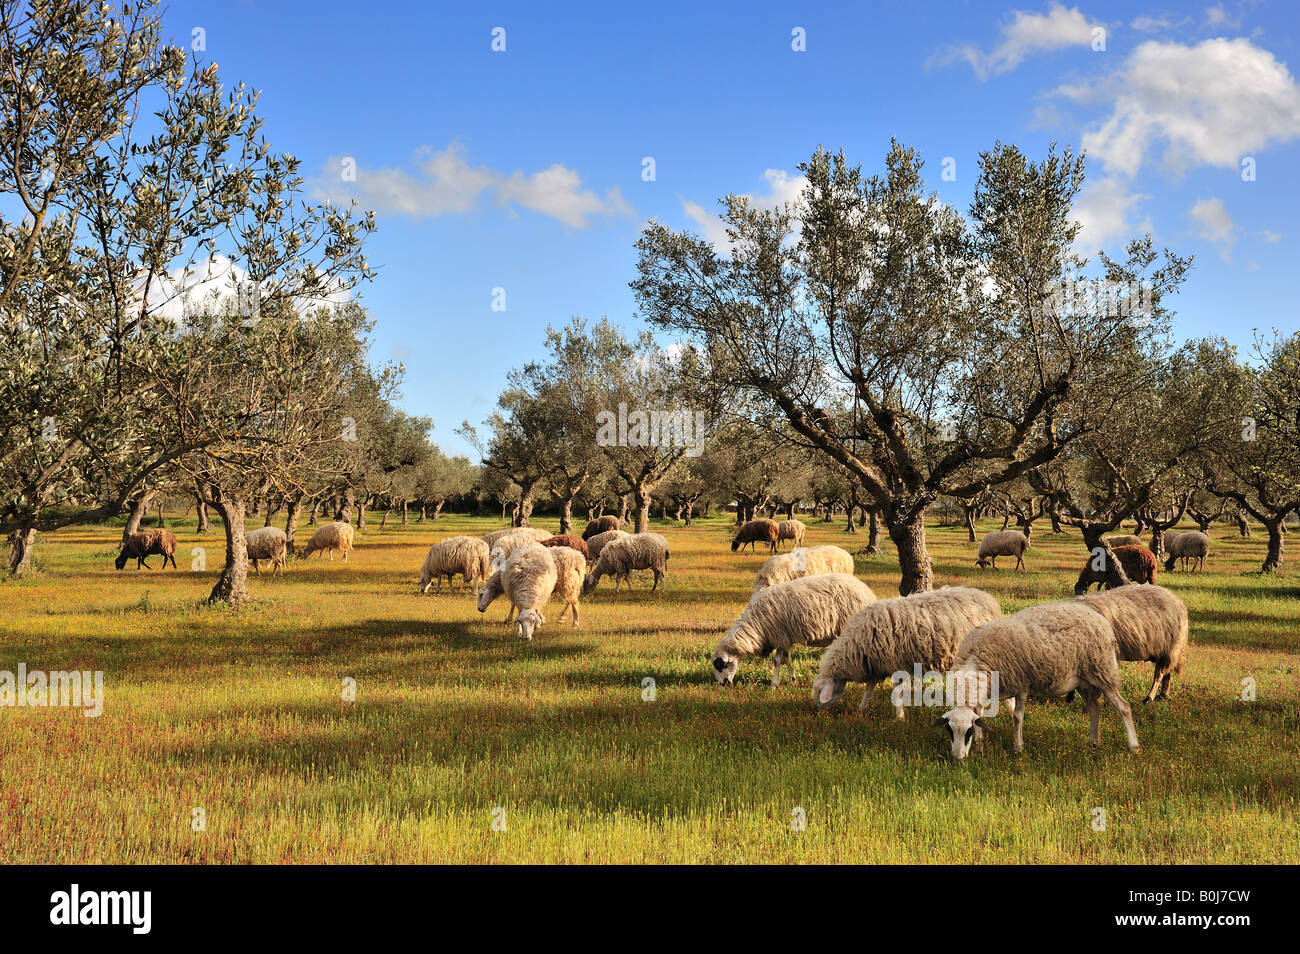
x: 827, y: 692
x: 529, y: 621
x: 725, y: 666
x: 963, y: 724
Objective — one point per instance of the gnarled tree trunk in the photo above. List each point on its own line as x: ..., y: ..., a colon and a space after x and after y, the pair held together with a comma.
x: 232, y: 586
x: 21, y: 543
x: 907, y: 530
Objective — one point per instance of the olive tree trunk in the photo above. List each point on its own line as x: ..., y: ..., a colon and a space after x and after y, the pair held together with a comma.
x: 232, y: 586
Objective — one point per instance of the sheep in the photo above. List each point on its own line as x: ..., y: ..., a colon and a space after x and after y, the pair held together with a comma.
x: 810, y: 561
x: 810, y: 610
x: 570, y: 565
x: 597, y: 543
x: 1002, y: 543
x: 570, y: 540
x: 897, y: 634
x: 331, y: 537
x: 636, y: 551
x: 601, y: 525
x: 791, y: 530
x: 1048, y: 649
x: 467, y: 556
x: 761, y: 530
x: 1124, y: 540
x: 528, y: 578
x: 1138, y: 563
x: 536, y: 533
x: 267, y: 543
x: 1192, y: 545
x: 507, y: 543
x: 159, y: 541
x: 1150, y: 625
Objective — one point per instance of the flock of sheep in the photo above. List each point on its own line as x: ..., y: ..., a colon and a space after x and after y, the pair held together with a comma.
x: 809, y: 596
x: 264, y: 543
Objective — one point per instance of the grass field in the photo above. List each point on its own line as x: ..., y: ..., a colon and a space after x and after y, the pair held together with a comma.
x: 457, y: 723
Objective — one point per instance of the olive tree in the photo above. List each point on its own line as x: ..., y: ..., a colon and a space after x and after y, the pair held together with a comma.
x: 963, y: 363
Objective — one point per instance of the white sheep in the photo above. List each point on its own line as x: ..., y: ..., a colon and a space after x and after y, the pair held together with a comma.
x: 267, y: 543
x: 895, y: 635
x: 1002, y: 543
x: 1049, y: 649
x: 535, y: 532
x: 1150, y: 625
x: 597, y: 542
x: 505, y: 544
x: 528, y: 579
x: 1191, y: 545
x: 331, y: 537
x: 570, y: 565
x: 810, y: 610
x: 467, y: 556
x: 802, y: 561
x: 791, y: 530
x: 622, y: 555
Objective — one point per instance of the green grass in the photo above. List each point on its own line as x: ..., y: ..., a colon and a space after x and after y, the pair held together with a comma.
x: 240, y: 713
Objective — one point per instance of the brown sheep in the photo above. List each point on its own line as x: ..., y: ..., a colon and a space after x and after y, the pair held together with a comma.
x: 761, y: 530
x: 600, y: 525
x: 1138, y: 562
x: 569, y: 540
x: 148, y: 543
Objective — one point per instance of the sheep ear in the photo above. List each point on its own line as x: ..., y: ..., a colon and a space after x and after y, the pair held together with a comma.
x: 942, y: 720
x: 984, y: 725
x: 828, y: 691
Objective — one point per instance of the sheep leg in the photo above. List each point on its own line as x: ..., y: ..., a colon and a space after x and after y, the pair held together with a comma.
x: 866, y: 699
x: 778, y: 658
x: 573, y: 616
x: 1020, y: 563
x: 141, y: 562
x: 1019, y: 716
x: 1090, y: 696
x: 1164, y: 684
x: 1155, y: 683
x: 1125, y: 713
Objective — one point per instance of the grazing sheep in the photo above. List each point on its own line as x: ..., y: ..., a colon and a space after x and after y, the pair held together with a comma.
x: 1124, y: 540
x: 331, y: 537
x: 1048, y: 649
x: 620, y: 556
x: 1150, y: 625
x: 506, y: 544
x: 570, y: 540
x: 799, y: 562
x: 600, y: 525
x: 156, y: 542
x: 1138, y: 563
x: 570, y: 565
x: 791, y: 530
x: 810, y: 610
x: 1002, y: 543
x: 467, y: 556
x: 528, y: 578
x: 1192, y: 545
x: 536, y: 533
x: 761, y: 530
x: 267, y: 543
x: 597, y: 543
x: 897, y: 634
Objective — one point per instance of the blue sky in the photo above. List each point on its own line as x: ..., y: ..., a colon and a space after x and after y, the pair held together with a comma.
x: 522, y: 169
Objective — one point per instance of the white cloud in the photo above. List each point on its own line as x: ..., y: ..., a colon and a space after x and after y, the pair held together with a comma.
x: 1022, y: 35
x: 1217, y: 18
x: 218, y: 281
x: 1208, y: 104
x: 444, y: 183
x: 1105, y: 211
x: 1216, y: 225
x: 782, y: 187
x: 1155, y: 22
